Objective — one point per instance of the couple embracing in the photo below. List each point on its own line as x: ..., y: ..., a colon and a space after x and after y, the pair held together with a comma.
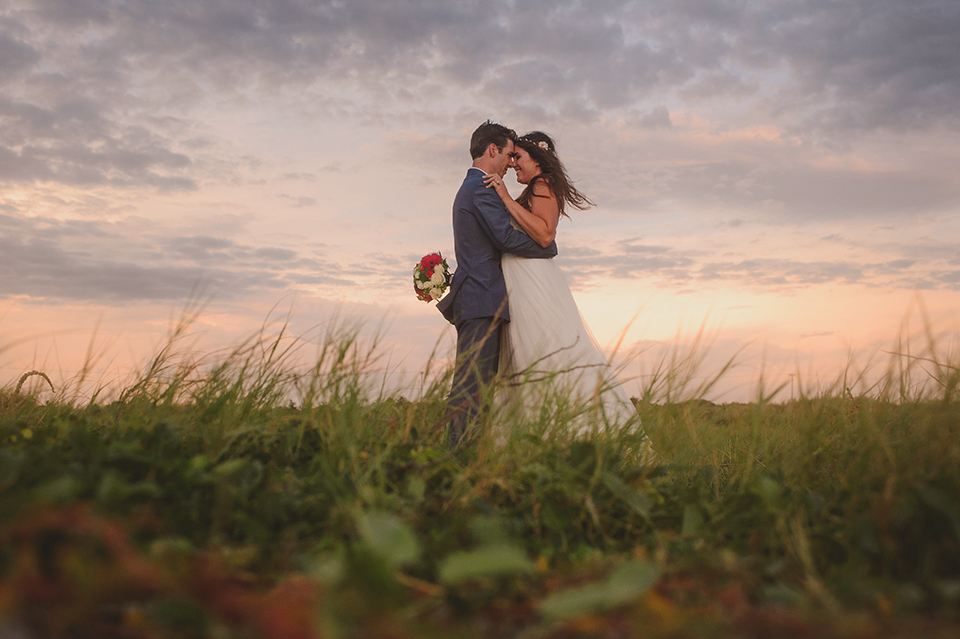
x: 511, y: 305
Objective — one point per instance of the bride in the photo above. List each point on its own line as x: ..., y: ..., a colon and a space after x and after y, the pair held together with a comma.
x: 547, y: 339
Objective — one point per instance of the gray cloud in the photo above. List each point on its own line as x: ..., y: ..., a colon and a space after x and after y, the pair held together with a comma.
x: 872, y: 64
x: 778, y: 181
x: 806, y: 192
x: 15, y: 57
x: 655, y: 118
x: 782, y: 272
x: 950, y: 278
x: 103, y: 93
x: 632, y: 259
x: 853, y: 65
x: 103, y: 262
x: 73, y: 143
x: 300, y: 201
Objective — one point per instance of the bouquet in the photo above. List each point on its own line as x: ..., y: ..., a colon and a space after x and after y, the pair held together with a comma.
x: 431, y: 277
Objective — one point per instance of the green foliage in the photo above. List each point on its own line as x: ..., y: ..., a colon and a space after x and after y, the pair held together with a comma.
x: 831, y: 502
x: 489, y: 561
x: 625, y: 583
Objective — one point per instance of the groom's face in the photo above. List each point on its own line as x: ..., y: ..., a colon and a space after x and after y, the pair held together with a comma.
x: 504, y: 159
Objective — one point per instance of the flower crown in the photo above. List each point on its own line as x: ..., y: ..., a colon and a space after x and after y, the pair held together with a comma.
x: 541, y: 143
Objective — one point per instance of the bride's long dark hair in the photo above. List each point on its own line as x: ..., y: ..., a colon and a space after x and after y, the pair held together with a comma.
x: 552, y: 173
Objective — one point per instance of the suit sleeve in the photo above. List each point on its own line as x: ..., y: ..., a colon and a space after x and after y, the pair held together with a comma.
x: 493, y: 217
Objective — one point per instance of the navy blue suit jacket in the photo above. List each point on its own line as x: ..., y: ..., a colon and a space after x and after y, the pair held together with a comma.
x: 481, y: 234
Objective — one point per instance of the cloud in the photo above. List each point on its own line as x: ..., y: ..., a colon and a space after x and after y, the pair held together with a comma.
x: 767, y: 272
x: 655, y: 118
x: 299, y: 201
x: 74, y: 143
x: 722, y: 105
x: 951, y: 278
x: 870, y: 65
x: 634, y: 259
x: 807, y: 192
x: 820, y: 65
x: 15, y: 57
x: 815, y: 334
x: 701, y: 166
x: 116, y: 263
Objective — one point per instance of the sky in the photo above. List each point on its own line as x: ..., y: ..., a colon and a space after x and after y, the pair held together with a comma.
x: 776, y: 182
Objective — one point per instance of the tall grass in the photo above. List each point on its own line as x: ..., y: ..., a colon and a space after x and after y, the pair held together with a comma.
x: 828, y: 501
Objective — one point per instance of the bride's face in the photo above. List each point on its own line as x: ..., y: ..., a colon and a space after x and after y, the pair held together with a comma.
x: 525, y: 167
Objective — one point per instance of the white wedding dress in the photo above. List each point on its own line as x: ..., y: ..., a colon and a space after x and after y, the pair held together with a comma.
x: 549, y: 355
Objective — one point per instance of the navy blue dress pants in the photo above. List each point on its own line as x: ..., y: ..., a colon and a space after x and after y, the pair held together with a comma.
x: 478, y: 359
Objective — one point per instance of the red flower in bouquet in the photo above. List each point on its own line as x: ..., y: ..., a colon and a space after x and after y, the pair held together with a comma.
x: 421, y: 295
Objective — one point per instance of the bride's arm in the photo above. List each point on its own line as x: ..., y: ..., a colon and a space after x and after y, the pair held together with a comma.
x: 541, y: 221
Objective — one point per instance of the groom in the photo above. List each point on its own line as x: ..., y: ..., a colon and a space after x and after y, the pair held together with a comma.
x: 477, y: 301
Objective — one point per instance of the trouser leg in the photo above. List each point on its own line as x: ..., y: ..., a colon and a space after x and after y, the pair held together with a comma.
x: 478, y: 359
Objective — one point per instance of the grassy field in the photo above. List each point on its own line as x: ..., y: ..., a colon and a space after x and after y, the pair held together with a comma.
x: 203, y: 502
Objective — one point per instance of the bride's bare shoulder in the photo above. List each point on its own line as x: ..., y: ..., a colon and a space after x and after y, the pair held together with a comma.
x: 542, y: 188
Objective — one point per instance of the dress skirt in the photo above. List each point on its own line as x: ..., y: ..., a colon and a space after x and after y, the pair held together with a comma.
x: 548, y: 353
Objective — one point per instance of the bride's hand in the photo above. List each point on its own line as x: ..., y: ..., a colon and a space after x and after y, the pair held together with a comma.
x: 493, y: 180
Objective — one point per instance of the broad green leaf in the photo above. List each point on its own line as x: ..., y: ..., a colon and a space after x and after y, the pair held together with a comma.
x: 576, y: 601
x: 632, y: 579
x: 229, y: 468
x: 199, y: 462
x: 624, y: 584
x: 390, y: 537
x: 490, y: 561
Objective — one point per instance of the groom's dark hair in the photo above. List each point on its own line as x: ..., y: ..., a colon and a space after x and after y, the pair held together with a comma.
x: 490, y: 133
